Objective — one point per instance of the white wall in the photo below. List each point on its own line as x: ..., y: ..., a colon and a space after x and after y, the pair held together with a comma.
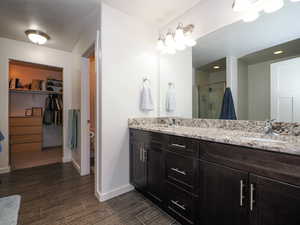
x: 178, y: 70
x: 207, y: 16
x: 23, y: 51
x: 85, y: 42
x: 128, y: 54
x: 242, y: 107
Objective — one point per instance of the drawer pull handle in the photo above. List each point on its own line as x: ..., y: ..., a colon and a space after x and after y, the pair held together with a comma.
x: 178, y: 146
x: 178, y: 205
x: 178, y: 171
x: 242, y: 193
x: 252, y: 201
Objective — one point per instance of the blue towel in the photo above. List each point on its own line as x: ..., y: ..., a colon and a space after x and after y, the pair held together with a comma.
x: 73, y: 128
x: 1, y: 139
x: 228, y: 110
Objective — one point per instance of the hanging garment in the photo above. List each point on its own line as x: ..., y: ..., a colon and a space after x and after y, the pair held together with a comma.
x: 146, y: 98
x: 171, y: 99
x: 228, y: 110
x: 48, y: 113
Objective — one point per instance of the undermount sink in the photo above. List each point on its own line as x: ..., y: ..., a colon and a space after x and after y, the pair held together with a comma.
x: 263, y: 140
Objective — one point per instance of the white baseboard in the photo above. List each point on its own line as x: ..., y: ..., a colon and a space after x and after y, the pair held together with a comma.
x: 77, y: 167
x: 102, y: 197
x: 5, y: 170
x: 66, y: 159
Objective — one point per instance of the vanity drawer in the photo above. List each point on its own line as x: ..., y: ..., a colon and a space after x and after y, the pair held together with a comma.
x: 182, y: 145
x: 181, y: 170
x: 279, y: 166
x: 180, y: 204
x: 139, y: 135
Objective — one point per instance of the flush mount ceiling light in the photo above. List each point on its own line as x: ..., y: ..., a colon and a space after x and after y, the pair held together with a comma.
x: 252, y: 8
x: 278, y: 52
x: 37, y: 36
x: 176, y: 41
x: 216, y: 67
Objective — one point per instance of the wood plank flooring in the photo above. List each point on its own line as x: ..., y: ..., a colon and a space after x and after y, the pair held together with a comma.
x: 29, y: 159
x: 57, y: 195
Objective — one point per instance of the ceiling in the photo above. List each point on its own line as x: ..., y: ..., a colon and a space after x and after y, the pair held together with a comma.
x: 240, y: 39
x: 290, y: 49
x: 156, y: 12
x: 63, y: 20
x: 209, y: 68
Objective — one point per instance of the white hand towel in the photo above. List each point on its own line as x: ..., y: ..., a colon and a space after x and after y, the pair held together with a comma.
x: 146, y: 98
x: 171, y: 100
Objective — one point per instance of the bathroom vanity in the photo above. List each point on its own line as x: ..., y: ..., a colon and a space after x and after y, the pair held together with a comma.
x: 215, y: 177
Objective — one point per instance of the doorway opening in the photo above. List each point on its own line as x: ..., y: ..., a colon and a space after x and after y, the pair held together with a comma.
x: 92, y: 101
x: 35, y: 114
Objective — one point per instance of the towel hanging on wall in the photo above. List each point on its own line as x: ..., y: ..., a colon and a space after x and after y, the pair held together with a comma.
x: 171, y: 98
x: 1, y: 139
x: 146, y: 103
x: 228, y: 110
x: 73, y: 123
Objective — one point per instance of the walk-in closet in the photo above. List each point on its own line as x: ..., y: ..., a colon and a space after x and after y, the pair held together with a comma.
x: 35, y: 114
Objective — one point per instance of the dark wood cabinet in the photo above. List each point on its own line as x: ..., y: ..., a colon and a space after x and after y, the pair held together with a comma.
x: 207, y: 183
x: 154, y: 172
x: 138, y: 174
x: 273, y: 202
x: 223, y: 194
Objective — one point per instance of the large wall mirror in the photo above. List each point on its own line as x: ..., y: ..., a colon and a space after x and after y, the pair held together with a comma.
x: 258, y: 61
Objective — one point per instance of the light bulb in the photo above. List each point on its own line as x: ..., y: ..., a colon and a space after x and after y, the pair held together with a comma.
x: 179, y: 38
x: 250, y: 16
x: 270, y: 6
x: 189, y: 41
x: 242, y: 5
x: 160, y: 45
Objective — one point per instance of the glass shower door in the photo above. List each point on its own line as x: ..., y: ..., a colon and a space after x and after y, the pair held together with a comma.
x: 210, y: 100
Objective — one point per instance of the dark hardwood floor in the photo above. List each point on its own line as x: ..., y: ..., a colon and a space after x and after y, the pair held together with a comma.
x: 57, y: 195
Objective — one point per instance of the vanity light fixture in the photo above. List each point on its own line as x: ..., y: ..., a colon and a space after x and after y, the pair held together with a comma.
x: 252, y: 8
x: 176, y: 41
x: 278, y: 52
x: 37, y: 36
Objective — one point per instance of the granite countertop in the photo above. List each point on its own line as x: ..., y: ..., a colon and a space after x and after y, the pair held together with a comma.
x: 280, y: 143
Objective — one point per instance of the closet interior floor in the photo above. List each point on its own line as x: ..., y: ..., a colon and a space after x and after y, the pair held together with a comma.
x: 28, y: 159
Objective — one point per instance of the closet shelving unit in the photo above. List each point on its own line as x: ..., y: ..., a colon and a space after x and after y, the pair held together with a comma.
x: 38, y: 92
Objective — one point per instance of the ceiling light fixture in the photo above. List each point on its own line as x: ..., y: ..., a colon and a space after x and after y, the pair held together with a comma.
x: 252, y: 8
x: 278, y: 52
x: 37, y: 36
x: 216, y: 67
x: 270, y: 6
x: 180, y: 40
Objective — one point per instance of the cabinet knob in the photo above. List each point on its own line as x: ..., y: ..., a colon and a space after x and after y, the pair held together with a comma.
x: 252, y: 201
x: 178, y: 146
x: 242, y: 193
x: 178, y: 171
x: 176, y: 203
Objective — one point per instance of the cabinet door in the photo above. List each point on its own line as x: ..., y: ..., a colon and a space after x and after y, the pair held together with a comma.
x: 138, y: 166
x: 154, y: 173
x: 222, y: 195
x: 274, y: 202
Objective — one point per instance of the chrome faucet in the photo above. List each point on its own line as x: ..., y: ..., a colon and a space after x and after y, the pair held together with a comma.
x: 269, y: 128
x: 173, y: 122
